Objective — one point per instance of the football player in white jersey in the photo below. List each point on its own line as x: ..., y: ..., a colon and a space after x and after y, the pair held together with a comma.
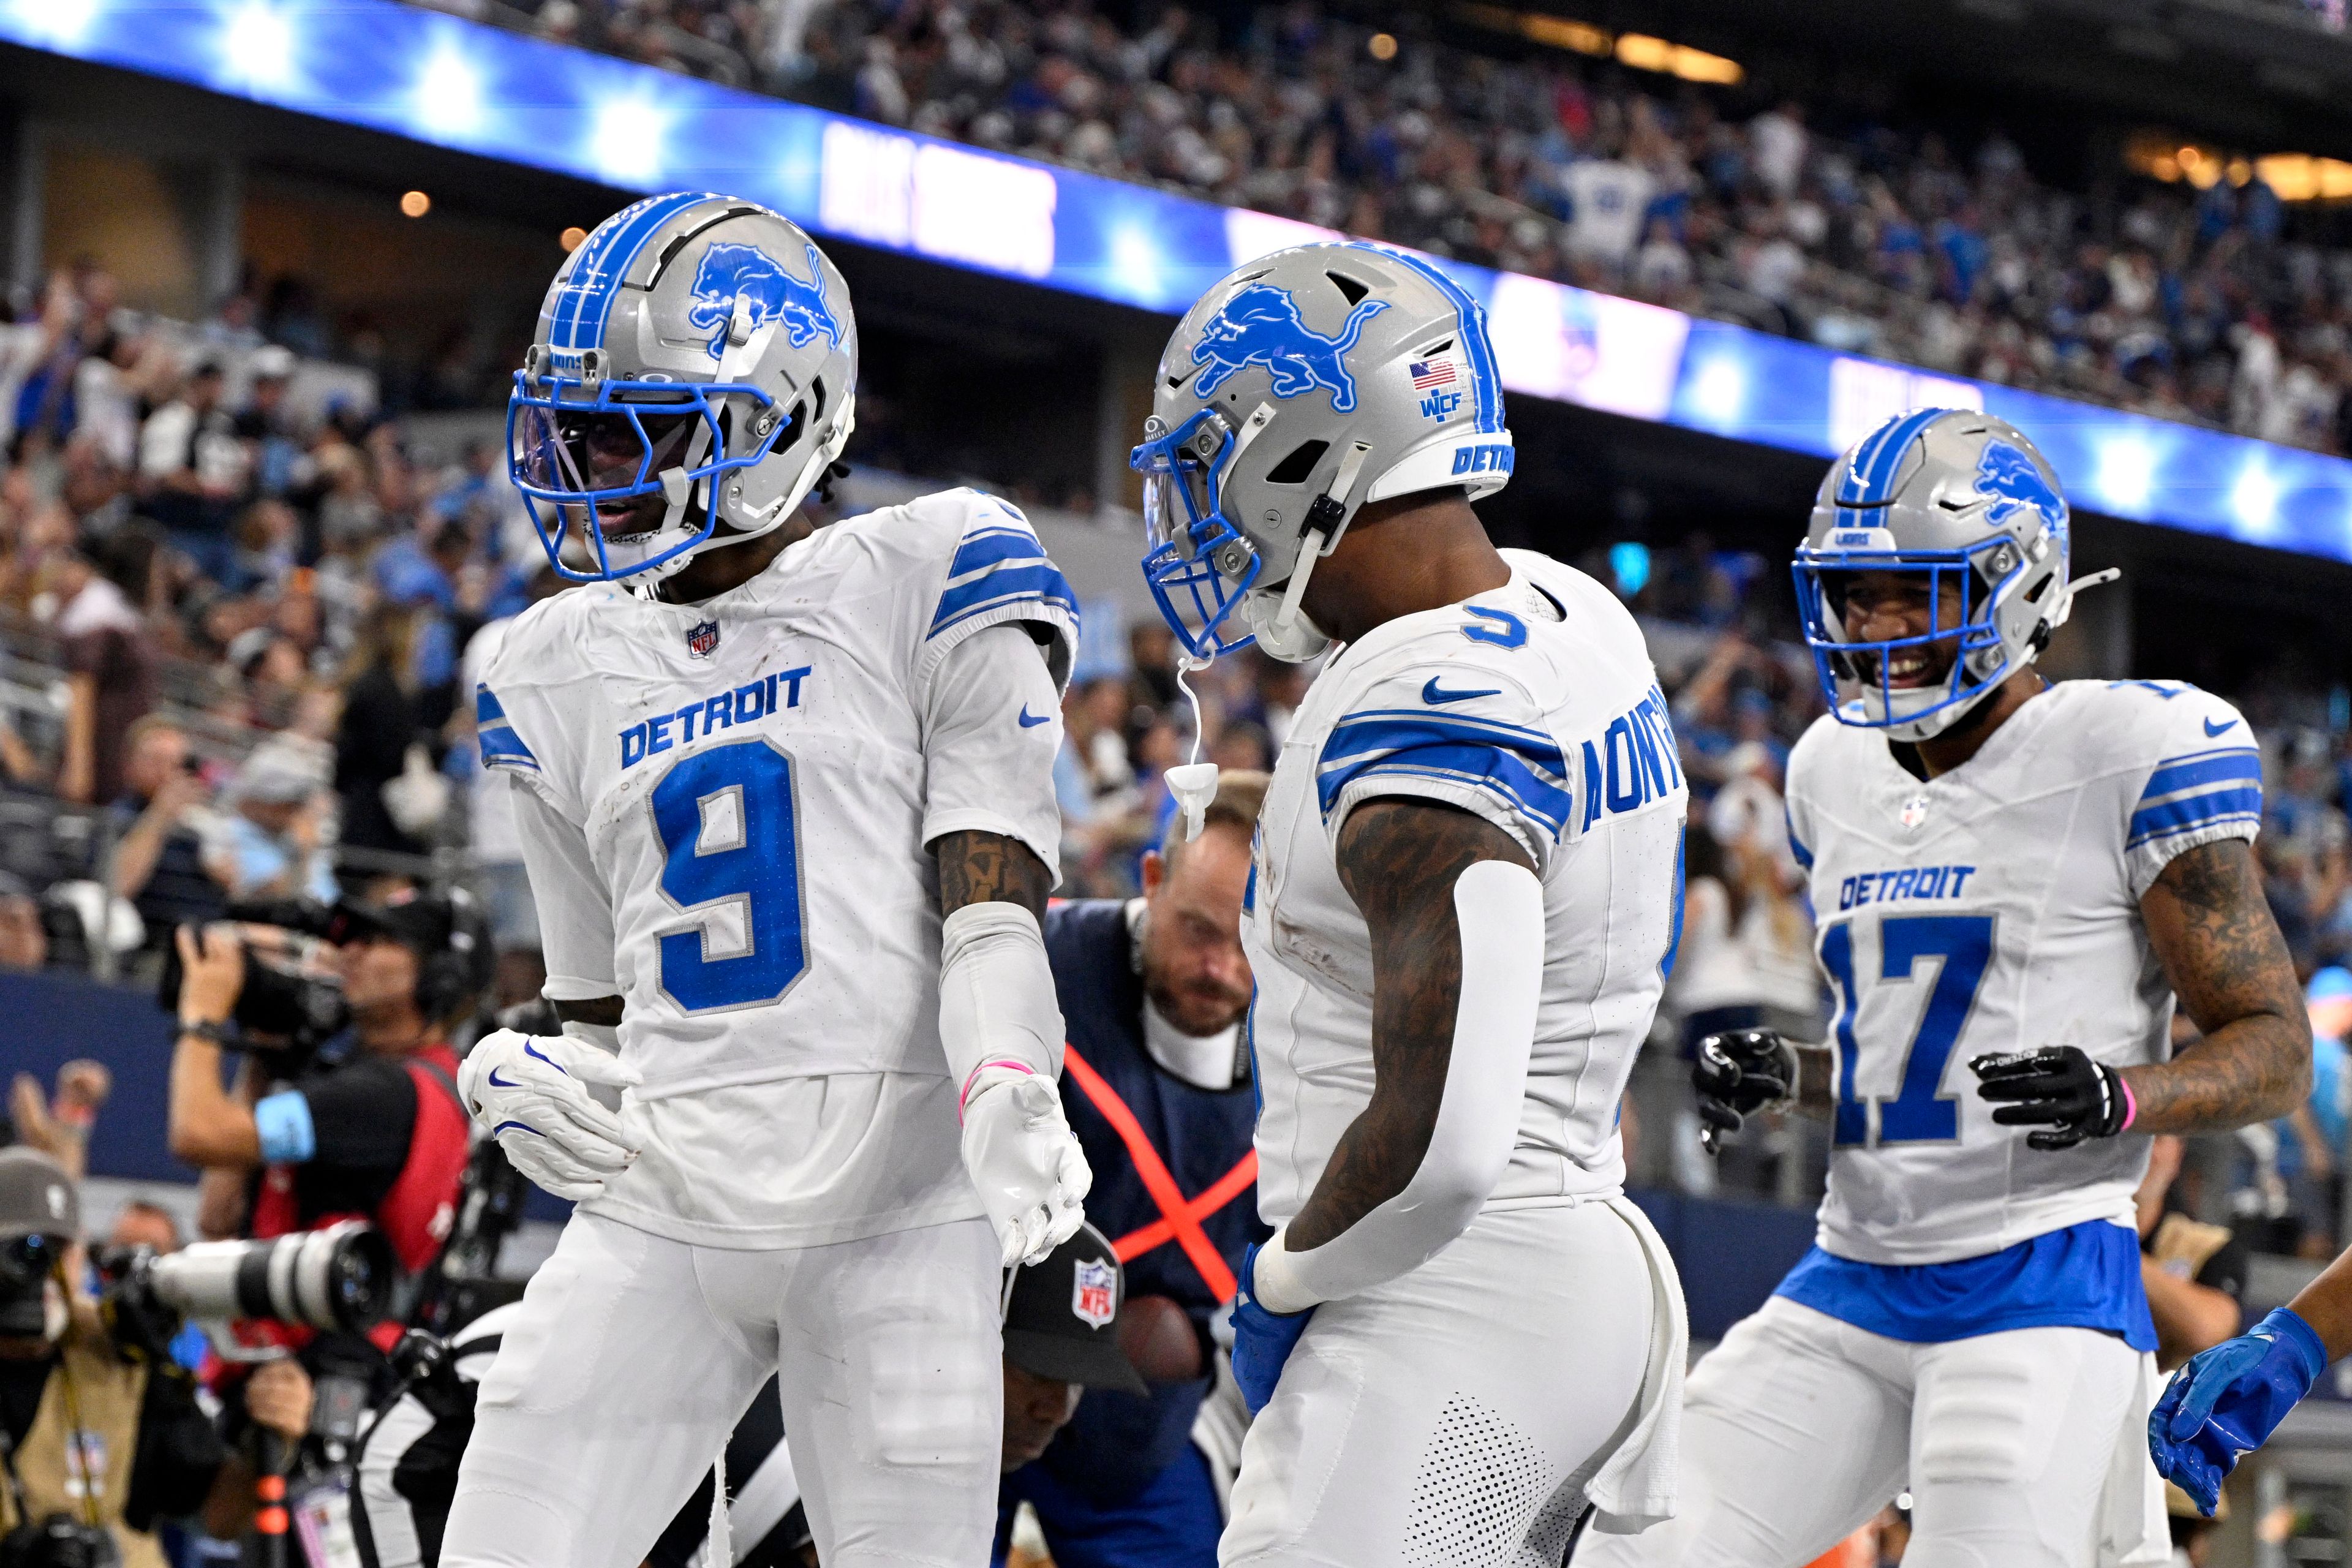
x: 785, y: 797
x: 1465, y: 897
x: 2014, y: 880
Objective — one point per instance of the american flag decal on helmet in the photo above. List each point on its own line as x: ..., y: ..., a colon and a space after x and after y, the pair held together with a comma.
x: 1429, y: 373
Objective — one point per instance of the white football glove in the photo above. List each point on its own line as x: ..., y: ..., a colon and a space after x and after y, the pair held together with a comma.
x: 1031, y: 1173
x: 530, y: 1092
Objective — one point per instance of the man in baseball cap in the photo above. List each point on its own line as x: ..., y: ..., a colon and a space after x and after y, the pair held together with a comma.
x: 40, y: 1217
x: 1061, y: 1338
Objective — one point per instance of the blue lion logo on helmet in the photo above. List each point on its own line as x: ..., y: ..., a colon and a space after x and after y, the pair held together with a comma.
x: 733, y: 273
x: 1259, y: 324
x: 2009, y: 480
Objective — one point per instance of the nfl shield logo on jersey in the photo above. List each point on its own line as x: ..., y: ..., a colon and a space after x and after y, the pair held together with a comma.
x: 702, y: 638
x: 1914, y: 811
x: 1094, y: 1294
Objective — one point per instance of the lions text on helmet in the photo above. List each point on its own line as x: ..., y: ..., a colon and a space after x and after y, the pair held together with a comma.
x: 1306, y: 386
x: 692, y: 377
x: 1934, y: 570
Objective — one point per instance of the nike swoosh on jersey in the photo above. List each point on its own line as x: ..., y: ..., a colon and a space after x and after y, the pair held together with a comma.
x: 2213, y: 729
x: 1031, y: 720
x: 1434, y: 693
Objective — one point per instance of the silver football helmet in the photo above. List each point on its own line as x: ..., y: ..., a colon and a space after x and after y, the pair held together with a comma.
x: 1964, y: 499
x: 1306, y: 384
x: 694, y: 375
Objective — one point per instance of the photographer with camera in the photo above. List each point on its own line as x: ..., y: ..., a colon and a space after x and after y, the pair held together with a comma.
x: 99, y: 1438
x: 305, y: 1138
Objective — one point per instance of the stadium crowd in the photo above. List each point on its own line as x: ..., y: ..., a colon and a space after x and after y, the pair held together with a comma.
x: 2220, y: 306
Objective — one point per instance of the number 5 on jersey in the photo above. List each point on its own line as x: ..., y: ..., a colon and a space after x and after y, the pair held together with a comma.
x: 725, y: 818
x: 1960, y: 946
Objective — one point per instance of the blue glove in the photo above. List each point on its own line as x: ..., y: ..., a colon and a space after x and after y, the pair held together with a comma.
x: 1262, y: 1340
x: 2227, y: 1402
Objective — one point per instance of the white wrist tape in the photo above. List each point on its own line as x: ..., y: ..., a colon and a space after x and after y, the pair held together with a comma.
x: 1498, y: 908
x: 998, y: 1014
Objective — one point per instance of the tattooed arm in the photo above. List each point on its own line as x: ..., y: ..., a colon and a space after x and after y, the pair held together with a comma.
x: 1400, y: 860
x: 984, y: 867
x: 2223, y: 951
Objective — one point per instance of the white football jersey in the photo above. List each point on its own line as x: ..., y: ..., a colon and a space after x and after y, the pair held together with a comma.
x: 1996, y: 909
x: 1536, y: 707
x: 729, y: 805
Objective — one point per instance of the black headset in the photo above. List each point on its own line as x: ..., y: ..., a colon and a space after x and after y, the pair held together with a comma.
x: 448, y: 980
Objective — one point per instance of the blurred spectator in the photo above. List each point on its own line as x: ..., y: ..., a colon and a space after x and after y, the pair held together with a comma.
x: 158, y: 851
x: 111, y: 677
x: 271, y: 842
x: 24, y: 941
x: 194, y: 472
x: 59, y: 1126
x: 380, y: 722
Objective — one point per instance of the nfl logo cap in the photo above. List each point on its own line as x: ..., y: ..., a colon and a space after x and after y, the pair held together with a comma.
x: 1062, y: 1320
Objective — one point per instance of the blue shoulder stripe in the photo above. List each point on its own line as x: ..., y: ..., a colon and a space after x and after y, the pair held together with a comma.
x: 502, y: 748
x: 487, y: 709
x: 993, y: 545
x: 1039, y: 579
x: 2176, y: 773
x: 1521, y: 768
x: 2187, y: 812
x: 1796, y: 844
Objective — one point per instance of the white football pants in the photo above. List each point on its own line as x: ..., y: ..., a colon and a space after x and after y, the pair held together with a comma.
x: 1798, y: 1428
x: 635, y: 1355
x: 1451, y: 1417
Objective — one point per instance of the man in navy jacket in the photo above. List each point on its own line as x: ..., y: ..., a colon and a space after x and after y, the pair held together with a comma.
x: 1156, y: 1083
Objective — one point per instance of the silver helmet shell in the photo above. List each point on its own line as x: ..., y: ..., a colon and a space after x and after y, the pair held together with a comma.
x: 704, y: 348
x: 1306, y: 384
x: 1964, y: 499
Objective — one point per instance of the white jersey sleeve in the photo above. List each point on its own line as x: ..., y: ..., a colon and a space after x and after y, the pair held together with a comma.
x: 995, y: 573
x: 991, y: 725
x: 2203, y: 783
x: 575, y: 916
x: 1433, y: 720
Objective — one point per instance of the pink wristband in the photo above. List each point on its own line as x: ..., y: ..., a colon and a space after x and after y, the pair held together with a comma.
x: 2131, y: 1106
x: 965, y: 1096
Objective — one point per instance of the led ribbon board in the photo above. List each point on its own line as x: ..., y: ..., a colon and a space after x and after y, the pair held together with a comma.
x: 434, y: 79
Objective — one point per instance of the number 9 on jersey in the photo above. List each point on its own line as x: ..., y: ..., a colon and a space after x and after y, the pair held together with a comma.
x: 728, y: 836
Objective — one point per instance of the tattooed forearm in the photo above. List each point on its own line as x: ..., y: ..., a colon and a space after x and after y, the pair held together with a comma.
x: 2229, y: 965
x: 1398, y: 861
x: 981, y: 868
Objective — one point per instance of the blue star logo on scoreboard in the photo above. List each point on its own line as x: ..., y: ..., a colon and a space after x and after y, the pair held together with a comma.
x: 768, y: 291
x: 702, y: 638
x: 1094, y: 1293
x: 1260, y: 325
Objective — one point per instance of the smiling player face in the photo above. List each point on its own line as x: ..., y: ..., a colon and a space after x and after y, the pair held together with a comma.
x: 1887, y: 606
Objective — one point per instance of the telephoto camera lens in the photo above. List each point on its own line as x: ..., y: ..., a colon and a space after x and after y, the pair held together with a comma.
x: 338, y: 1277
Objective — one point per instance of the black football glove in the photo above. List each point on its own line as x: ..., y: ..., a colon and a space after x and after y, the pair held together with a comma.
x: 1738, y: 1073
x: 2058, y: 1090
